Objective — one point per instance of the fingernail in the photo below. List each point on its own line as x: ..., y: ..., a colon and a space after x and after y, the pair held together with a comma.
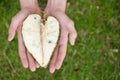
x: 52, y: 70
x: 57, y: 67
x: 72, y: 42
x: 9, y: 37
x: 25, y: 66
x: 32, y: 69
x: 37, y: 65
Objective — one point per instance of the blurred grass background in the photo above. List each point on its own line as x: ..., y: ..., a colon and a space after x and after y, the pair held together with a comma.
x: 96, y: 55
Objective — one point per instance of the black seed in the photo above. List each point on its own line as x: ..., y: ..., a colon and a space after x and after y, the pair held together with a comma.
x: 49, y: 41
x: 35, y: 18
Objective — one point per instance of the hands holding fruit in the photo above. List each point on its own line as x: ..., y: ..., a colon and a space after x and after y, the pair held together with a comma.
x: 55, y: 8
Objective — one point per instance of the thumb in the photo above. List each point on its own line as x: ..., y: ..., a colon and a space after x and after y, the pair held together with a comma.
x: 16, y: 21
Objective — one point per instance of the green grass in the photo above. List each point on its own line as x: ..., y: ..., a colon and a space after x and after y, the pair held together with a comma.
x: 96, y: 55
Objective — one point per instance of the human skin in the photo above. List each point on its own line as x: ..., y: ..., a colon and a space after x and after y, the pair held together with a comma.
x: 54, y: 8
x: 57, y: 8
x: 27, y: 7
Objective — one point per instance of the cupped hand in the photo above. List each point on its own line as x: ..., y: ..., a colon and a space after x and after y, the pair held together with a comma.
x: 67, y: 28
x: 16, y: 24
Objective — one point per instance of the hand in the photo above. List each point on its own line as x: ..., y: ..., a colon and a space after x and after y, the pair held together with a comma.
x: 67, y: 28
x: 16, y: 24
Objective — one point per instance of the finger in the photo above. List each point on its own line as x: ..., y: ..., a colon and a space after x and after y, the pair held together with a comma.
x: 72, y: 33
x: 16, y: 21
x: 32, y: 64
x: 63, y: 19
x: 62, y: 48
x: 37, y: 65
x: 22, y: 50
x: 53, y: 61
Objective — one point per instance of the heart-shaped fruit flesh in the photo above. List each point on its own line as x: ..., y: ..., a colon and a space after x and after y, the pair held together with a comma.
x: 40, y: 38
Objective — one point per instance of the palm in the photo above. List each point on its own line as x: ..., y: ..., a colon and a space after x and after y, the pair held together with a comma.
x: 67, y: 27
x: 16, y: 24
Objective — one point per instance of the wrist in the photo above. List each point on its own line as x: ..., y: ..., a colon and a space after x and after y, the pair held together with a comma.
x: 55, y: 5
x: 30, y: 5
x: 32, y: 10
